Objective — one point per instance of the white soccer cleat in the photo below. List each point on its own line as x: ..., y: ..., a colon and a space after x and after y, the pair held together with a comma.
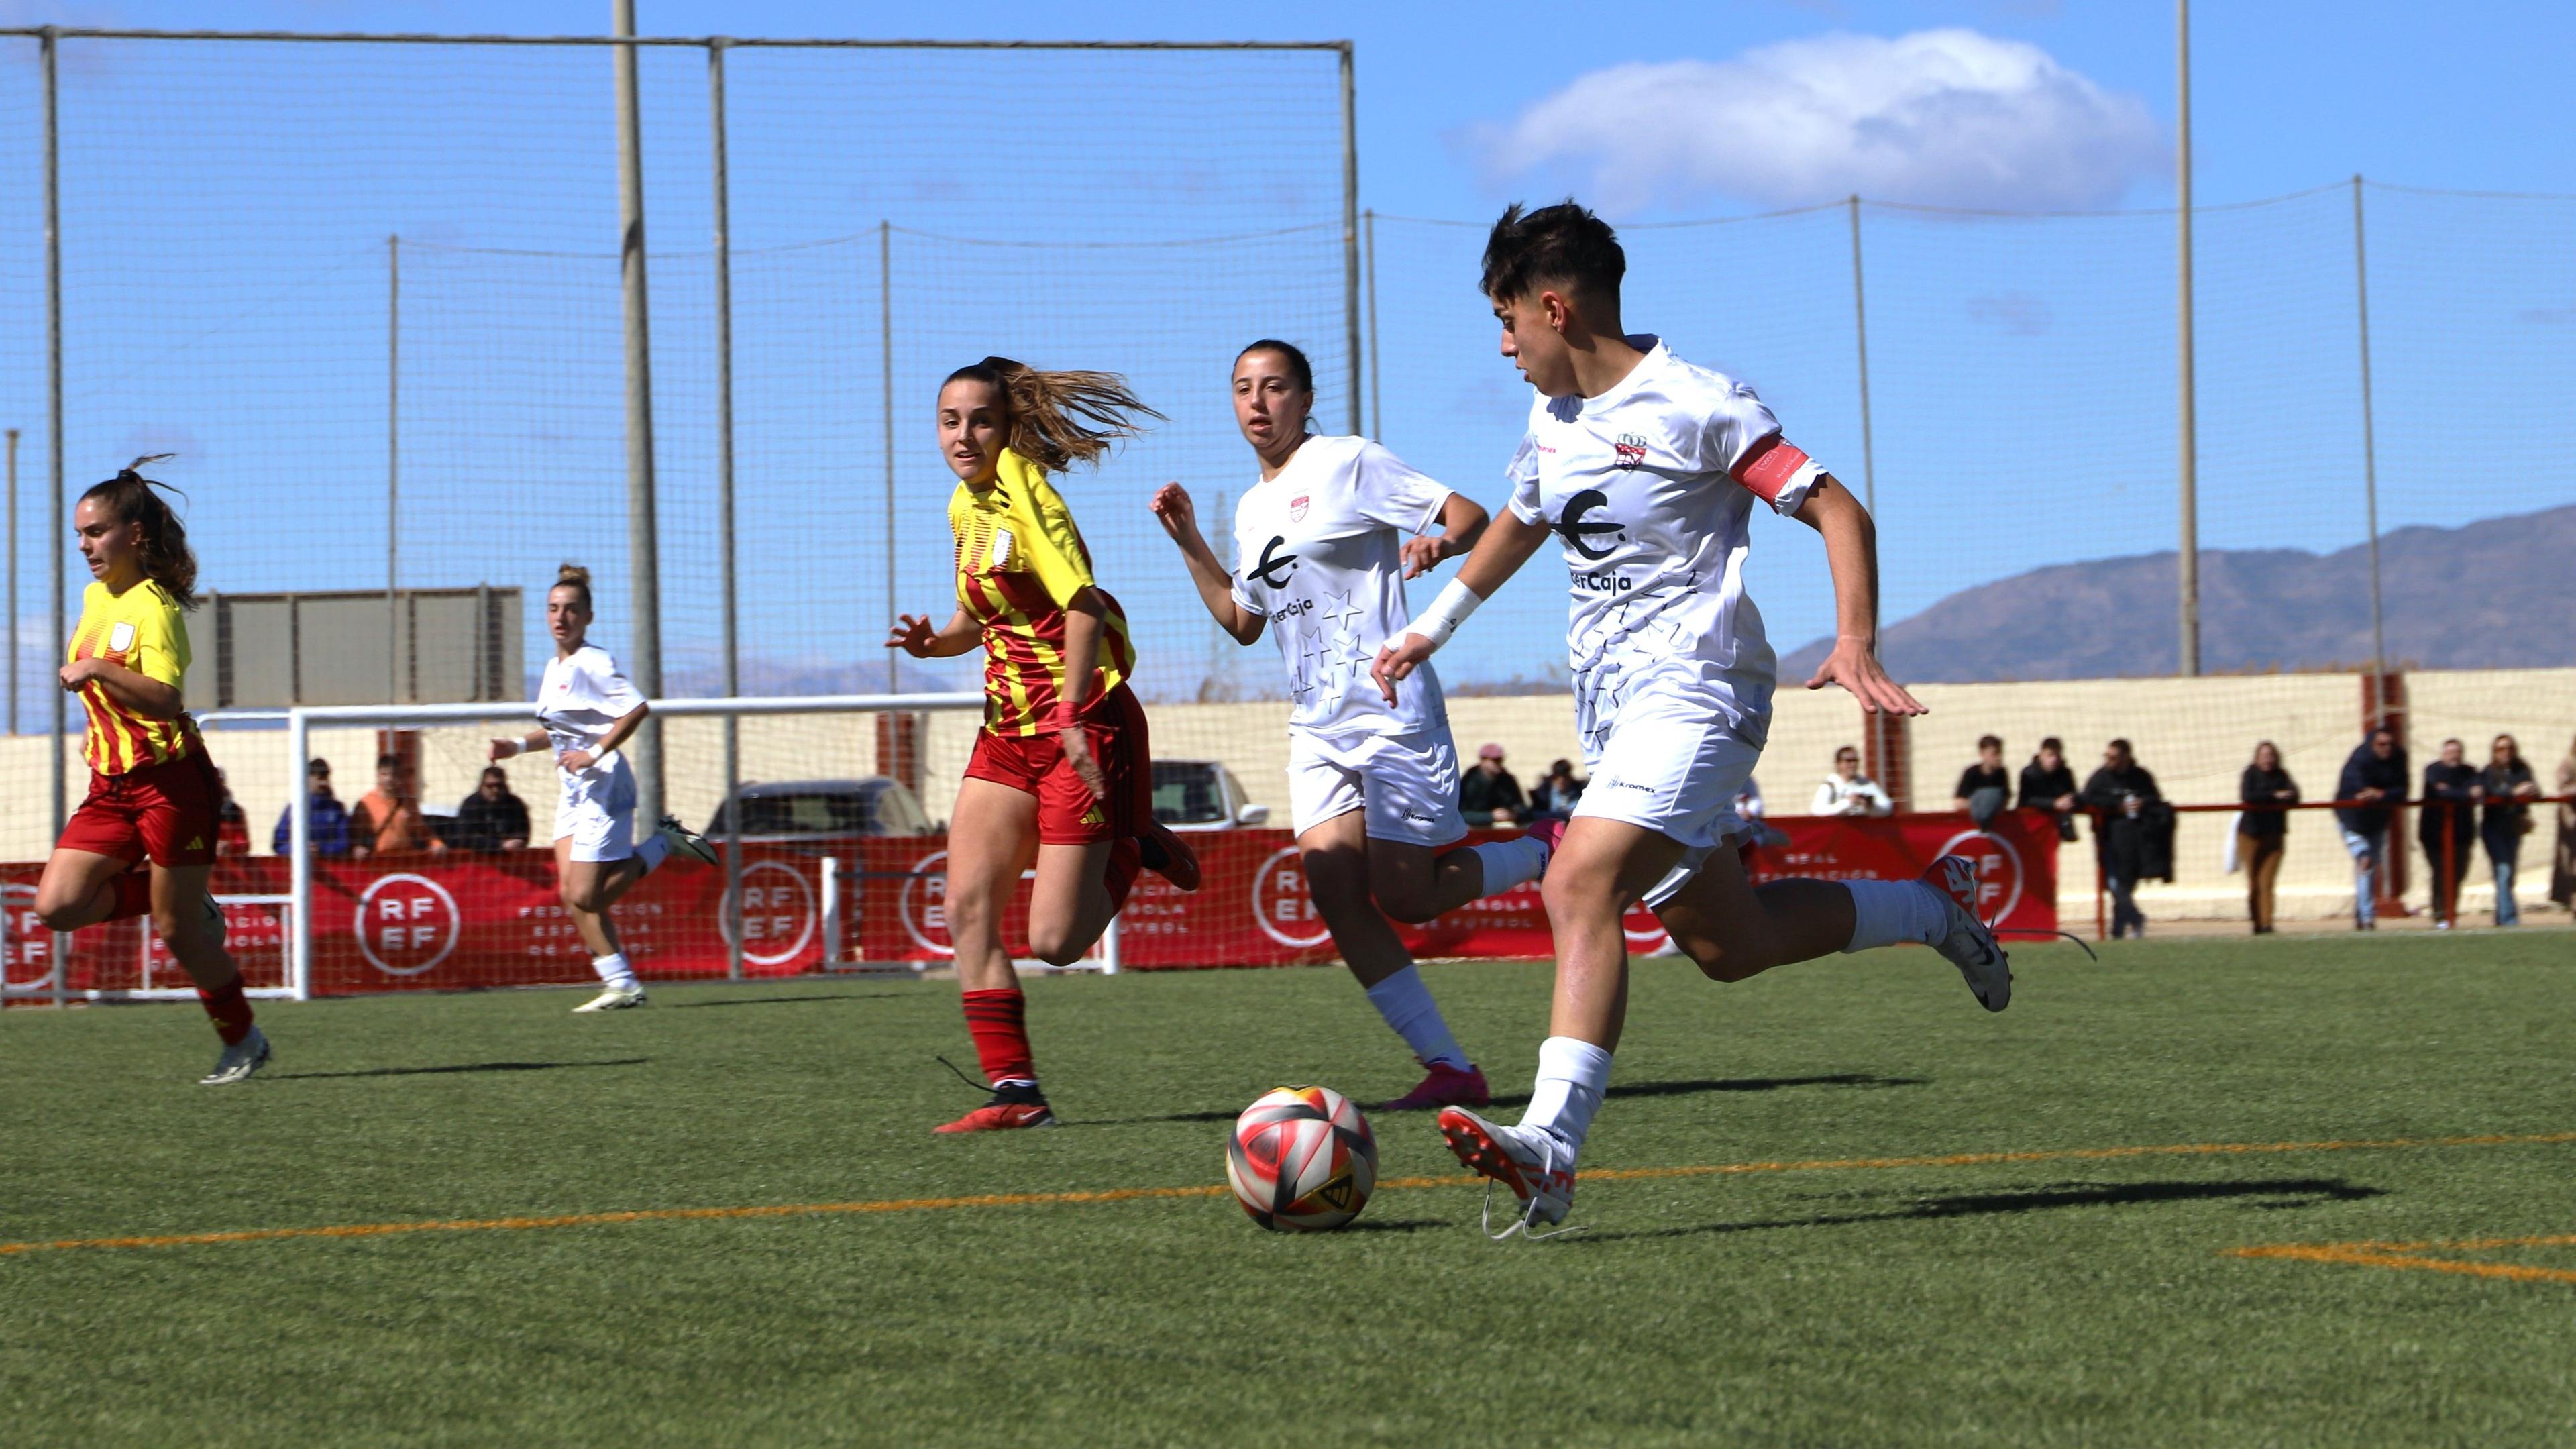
x: 1521, y: 1158
x: 239, y: 1062
x: 684, y: 841
x: 1968, y: 943
x: 615, y: 998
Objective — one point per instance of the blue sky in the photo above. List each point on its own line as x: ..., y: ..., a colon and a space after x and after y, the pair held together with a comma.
x: 2021, y: 370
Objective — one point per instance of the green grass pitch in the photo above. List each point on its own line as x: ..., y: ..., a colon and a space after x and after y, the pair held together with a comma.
x: 2059, y: 1298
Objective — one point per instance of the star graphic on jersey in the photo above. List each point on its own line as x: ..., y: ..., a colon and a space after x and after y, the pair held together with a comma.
x: 1310, y: 648
x: 1347, y: 613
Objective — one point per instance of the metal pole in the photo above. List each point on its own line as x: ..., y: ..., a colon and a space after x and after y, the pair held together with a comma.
x: 54, y: 410
x: 1351, y: 230
x: 1377, y: 404
x: 2188, y: 534
x: 299, y: 850
x: 13, y: 583
x: 393, y: 465
x: 643, y: 546
x: 724, y: 506
x: 885, y: 369
x: 2369, y: 441
x: 1874, y: 720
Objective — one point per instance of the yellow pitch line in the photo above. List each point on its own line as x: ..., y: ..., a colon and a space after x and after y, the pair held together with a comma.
x: 2409, y: 1255
x: 1132, y: 1194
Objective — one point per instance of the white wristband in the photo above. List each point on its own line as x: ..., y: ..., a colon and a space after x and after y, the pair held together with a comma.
x: 1446, y: 613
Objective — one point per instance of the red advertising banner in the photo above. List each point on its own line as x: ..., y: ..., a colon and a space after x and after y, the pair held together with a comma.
x: 459, y: 920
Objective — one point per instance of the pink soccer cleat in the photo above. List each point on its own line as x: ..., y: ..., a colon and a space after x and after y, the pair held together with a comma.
x: 1443, y: 1086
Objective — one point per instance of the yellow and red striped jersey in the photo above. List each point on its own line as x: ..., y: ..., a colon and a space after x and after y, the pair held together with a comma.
x: 143, y: 630
x: 1020, y: 560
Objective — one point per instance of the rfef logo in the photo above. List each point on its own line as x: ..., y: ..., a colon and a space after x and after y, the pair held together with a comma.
x: 407, y: 924
x: 1281, y: 905
x: 923, y: 904
x: 28, y: 965
x: 1999, y: 872
x: 777, y: 913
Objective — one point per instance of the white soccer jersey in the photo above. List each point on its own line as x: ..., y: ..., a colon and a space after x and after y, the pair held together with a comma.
x: 1651, y: 488
x: 1319, y: 553
x: 582, y: 696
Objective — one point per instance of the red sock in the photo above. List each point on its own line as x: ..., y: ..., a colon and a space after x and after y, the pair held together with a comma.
x: 133, y: 895
x: 998, y: 1020
x: 1125, y: 859
x: 230, y: 1010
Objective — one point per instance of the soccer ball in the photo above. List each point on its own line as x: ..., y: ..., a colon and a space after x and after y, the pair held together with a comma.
x: 1301, y: 1158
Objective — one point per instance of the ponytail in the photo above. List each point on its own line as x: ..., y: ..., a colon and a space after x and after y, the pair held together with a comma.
x: 166, y: 559
x: 574, y: 576
x: 1058, y: 419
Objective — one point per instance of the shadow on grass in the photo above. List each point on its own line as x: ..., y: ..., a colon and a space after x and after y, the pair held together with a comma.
x: 450, y: 1070
x: 2265, y: 1193
x: 1628, y: 1089
x: 779, y: 1000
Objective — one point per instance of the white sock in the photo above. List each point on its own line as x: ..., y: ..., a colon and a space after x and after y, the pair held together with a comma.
x: 1887, y: 912
x: 1407, y: 1006
x: 1509, y: 863
x: 614, y: 970
x: 653, y: 850
x: 1572, y: 1074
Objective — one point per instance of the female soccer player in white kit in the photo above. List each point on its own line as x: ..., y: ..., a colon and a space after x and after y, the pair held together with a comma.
x: 588, y: 709
x: 1326, y: 540
x: 1646, y: 469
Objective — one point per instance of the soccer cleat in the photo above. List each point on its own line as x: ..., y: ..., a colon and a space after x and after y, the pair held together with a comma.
x: 1000, y: 1115
x: 240, y: 1061
x: 1968, y: 943
x: 1169, y: 856
x: 1520, y: 1158
x: 1443, y: 1086
x: 684, y: 841
x: 615, y: 998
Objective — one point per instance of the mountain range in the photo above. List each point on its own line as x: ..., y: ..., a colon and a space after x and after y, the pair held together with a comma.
x: 2496, y: 594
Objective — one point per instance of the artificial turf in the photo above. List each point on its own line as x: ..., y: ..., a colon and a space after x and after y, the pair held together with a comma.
x: 2066, y: 1299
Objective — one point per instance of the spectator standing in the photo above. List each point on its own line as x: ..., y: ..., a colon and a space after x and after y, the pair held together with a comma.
x: 2506, y: 780
x: 326, y: 824
x: 232, y: 828
x: 2562, y: 860
x: 1487, y: 793
x: 2374, y: 777
x: 2447, y: 828
x: 492, y: 818
x: 1554, y: 797
x: 388, y: 816
x: 1849, y: 792
x: 2048, y: 783
x: 2262, y: 830
x: 2128, y: 815
x: 1984, y: 789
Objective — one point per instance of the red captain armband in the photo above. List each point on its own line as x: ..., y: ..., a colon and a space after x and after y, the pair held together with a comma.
x: 1768, y: 467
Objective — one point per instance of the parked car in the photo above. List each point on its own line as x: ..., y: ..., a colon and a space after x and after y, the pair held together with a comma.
x: 1202, y: 795
x: 790, y: 810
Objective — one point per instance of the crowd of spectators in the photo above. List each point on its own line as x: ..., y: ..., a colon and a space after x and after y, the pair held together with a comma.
x: 389, y: 818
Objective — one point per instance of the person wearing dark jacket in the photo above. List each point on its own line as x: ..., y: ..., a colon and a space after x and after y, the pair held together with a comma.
x: 492, y: 818
x: 2374, y: 776
x: 2048, y: 783
x: 2261, y: 832
x: 327, y: 825
x: 2132, y: 833
x: 1984, y: 789
x: 2506, y: 780
x: 2447, y: 827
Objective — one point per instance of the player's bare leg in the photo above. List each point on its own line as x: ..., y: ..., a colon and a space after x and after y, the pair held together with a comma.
x: 1070, y: 902
x: 1735, y: 930
x: 186, y: 918
x: 991, y: 840
x: 589, y: 888
x: 1357, y: 883
x: 78, y: 888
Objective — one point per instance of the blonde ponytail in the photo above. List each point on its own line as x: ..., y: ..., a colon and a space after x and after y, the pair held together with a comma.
x: 1058, y: 419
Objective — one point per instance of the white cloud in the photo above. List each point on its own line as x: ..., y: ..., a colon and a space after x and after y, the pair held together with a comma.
x: 1940, y: 117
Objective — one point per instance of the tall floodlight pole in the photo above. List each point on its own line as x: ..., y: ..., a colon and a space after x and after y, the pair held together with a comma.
x: 643, y: 544
x: 2369, y: 445
x: 1377, y: 404
x: 2188, y: 534
x: 54, y: 420
x: 722, y: 192
x: 1351, y: 233
x: 393, y: 465
x: 885, y: 374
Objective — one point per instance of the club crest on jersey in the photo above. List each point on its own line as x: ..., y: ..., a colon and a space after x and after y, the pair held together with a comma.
x: 1631, y: 450
x: 120, y: 637
x: 1297, y: 507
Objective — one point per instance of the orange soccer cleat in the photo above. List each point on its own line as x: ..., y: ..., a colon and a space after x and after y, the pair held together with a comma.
x: 1001, y: 1116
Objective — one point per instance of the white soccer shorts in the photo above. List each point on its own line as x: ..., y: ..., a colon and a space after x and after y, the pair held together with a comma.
x: 1407, y: 783
x: 1673, y: 766
x: 597, y: 813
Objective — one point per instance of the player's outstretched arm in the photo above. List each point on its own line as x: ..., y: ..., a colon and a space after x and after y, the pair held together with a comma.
x: 913, y: 635
x: 1496, y: 557
x: 1462, y: 522
x: 1180, y: 519
x: 1851, y: 549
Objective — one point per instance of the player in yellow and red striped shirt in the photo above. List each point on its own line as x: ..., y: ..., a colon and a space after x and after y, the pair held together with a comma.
x: 1062, y: 769
x: 153, y: 794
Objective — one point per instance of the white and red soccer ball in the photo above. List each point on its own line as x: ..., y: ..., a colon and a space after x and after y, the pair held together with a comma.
x: 1301, y: 1159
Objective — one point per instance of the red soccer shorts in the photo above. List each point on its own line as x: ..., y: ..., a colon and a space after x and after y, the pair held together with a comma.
x: 165, y: 813
x: 1067, y: 813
